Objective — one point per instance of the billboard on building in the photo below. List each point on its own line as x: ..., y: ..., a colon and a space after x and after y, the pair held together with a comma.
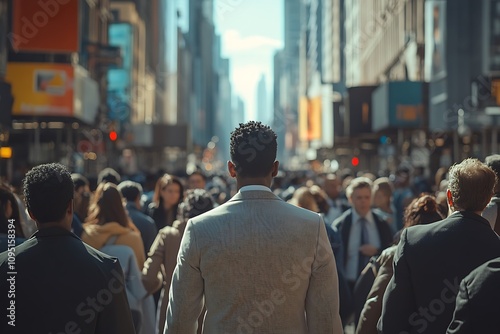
x: 120, y: 79
x: 398, y: 105
x: 310, y: 118
x: 50, y: 26
x: 41, y: 89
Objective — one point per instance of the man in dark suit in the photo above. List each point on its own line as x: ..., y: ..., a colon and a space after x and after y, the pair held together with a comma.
x: 432, y: 259
x: 132, y: 192
x: 332, y: 187
x: 364, y: 234
x: 477, y: 307
x: 53, y: 282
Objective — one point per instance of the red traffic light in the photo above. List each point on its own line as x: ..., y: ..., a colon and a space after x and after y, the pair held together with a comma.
x: 355, y: 161
x: 113, y: 136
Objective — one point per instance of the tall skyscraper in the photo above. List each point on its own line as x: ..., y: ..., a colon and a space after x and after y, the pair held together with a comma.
x: 262, y: 113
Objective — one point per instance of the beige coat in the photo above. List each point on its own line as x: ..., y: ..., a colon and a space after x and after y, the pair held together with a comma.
x: 160, y: 265
x: 260, y: 265
x: 97, y: 235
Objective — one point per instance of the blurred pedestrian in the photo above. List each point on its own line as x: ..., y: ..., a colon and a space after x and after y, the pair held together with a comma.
x: 492, y: 210
x: 132, y: 192
x: 62, y: 284
x: 163, y: 255
x: 197, y: 180
x: 81, y: 202
x: 364, y: 234
x: 382, y: 201
x: 432, y: 259
x: 107, y: 218
x: 422, y: 210
x: 108, y: 175
x: 477, y: 305
x: 10, y: 222
x: 169, y: 192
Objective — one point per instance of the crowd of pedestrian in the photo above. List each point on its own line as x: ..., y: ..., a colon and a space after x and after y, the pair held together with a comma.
x: 257, y: 251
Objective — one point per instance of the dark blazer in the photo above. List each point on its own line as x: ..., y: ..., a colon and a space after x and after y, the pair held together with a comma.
x: 344, y: 223
x: 345, y: 295
x: 60, y: 284
x: 477, y: 308
x: 429, y: 264
x: 144, y: 223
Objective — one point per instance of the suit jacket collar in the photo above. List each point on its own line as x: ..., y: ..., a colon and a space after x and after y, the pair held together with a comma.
x: 52, y: 232
x: 469, y: 216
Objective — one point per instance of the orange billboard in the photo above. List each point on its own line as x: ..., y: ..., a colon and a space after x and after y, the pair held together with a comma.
x: 310, y: 118
x: 45, y: 25
x: 41, y: 89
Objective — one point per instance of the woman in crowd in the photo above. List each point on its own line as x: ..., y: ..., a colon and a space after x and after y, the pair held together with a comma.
x: 382, y: 201
x: 107, y: 218
x: 422, y: 210
x: 166, y: 198
x: 10, y: 223
x: 163, y: 252
x: 302, y: 197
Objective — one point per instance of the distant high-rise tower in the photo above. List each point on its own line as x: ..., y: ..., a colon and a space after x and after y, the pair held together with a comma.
x: 262, y: 113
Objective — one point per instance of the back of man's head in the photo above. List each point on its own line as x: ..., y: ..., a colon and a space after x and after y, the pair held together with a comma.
x: 108, y: 175
x: 79, y: 180
x: 196, y: 202
x: 48, y: 190
x: 130, y: 190
x: 253, y: 149
x: 471, y: 185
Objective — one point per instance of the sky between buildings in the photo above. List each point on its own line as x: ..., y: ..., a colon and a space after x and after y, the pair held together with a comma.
x: 251, y: 30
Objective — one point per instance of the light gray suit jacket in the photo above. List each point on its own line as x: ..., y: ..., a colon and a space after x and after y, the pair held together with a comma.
x: 261, y: 265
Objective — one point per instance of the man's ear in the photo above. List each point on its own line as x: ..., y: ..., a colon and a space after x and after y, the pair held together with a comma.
x: 276, y: 165
x: 69, y: 209
x: 231, y: 168
x: 449, y: 199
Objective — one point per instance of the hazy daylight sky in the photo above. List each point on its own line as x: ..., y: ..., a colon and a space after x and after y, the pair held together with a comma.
x: 251, y: 30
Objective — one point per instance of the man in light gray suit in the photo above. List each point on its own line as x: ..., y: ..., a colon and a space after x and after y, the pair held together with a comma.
x: 259, y: 265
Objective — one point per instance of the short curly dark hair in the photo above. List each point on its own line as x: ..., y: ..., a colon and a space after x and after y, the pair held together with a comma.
x: 196, y: 202
x: 253, y: 149
x: 48, y: 190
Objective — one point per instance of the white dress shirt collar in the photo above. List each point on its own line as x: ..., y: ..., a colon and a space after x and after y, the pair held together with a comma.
x: 368, y: 217
x: 254, y: 187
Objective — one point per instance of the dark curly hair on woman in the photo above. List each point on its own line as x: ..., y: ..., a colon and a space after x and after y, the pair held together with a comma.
x: 422, y: 210
x: 253, y: 149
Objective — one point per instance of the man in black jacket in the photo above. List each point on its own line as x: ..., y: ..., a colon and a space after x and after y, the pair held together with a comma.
x: 477, y: 306
x: 432, y: 259
x: 53, y: 282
